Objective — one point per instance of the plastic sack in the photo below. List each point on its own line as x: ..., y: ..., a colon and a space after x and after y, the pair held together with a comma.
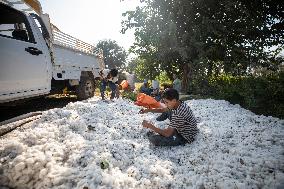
x: 124, y: 84
x: 147, y: 101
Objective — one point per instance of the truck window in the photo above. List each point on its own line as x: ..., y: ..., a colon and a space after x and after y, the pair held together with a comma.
x: 13, y: 24
x: 40, y: 25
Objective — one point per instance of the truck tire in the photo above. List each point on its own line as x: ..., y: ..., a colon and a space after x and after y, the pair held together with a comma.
x: 86, y: 88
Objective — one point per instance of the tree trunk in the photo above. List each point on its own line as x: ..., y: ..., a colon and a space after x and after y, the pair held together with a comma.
x: 186, y: 77
x: 210, y: 68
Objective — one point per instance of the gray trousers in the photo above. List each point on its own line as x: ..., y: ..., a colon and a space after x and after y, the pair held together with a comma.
x: 159, y: 140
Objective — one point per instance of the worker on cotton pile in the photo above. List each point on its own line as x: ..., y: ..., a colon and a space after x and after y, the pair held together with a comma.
x: 109, y: 78
x: 183, y: 125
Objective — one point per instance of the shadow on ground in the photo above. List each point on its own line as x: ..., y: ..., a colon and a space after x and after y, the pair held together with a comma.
x: 39, y: 104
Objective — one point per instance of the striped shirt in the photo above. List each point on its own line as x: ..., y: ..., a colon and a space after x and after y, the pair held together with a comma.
x: 184, y: 122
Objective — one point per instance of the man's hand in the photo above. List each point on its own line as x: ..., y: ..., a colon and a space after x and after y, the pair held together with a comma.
x: 109, y: 76
x: 146, y: 124
x: 101, y: 73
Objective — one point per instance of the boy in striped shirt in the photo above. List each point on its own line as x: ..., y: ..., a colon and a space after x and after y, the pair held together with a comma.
x: 183, y: 126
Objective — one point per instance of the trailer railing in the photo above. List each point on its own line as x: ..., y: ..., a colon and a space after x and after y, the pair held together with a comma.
x: 63, y: 39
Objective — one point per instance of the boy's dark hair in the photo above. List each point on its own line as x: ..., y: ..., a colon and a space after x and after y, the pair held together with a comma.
x: 170, y: 94
x: 113, y: 72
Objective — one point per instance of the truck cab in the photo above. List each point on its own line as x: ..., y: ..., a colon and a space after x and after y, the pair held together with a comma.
x: 26, y: 68
x: 38, y: 59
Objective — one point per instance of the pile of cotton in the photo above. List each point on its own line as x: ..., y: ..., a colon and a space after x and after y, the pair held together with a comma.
x: 98, y: 144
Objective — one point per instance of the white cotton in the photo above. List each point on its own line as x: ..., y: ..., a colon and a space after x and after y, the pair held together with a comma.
x: 42, y: 173
x: 20, y: 166
x: 65, y: 148
x: 30, y: 161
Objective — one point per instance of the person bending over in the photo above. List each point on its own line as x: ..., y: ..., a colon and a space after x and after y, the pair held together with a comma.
x: 108, y: 78
x: 183, y: 125
x: 145, y: 88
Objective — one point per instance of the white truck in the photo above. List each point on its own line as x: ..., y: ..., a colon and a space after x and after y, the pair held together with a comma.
x: 38, y: 59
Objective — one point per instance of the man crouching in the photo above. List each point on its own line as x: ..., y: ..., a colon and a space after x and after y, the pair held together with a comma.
x: 182, y: 128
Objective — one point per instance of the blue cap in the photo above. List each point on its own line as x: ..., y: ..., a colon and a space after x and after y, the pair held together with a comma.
x: 145, y: 80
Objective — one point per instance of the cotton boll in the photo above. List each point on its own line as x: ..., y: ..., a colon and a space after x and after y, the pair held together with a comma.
x: 20, y: 166
x: 12, y: 149
x: 30, y: 139
x: 42, y: 173
x: 30, y: 184
x: 133, y: 172
x: 106, y: 181
x: 97, y: 178
x: 39, y: 185
x: 19, y: 158
x: 145, y: 182
x: 27, y: 171
x: 226, y: 184
x: 56, y: 181
x: 78, y: 126
x: 30, y: 161
x: 37, y: 165
x: 24, y: 179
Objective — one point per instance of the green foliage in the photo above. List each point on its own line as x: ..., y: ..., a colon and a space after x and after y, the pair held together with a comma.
x: 263, y: 95
x: 163, y: 78
x: 194, y: 37
x: 129, y: 95
x: 114, y: 55
x: 213, y: 45
x: 143, y: 69
x: 104, y: 164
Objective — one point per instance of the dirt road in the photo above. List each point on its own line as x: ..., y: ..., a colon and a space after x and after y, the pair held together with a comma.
x: 39, y: 104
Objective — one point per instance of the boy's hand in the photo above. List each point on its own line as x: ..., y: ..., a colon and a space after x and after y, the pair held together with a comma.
x: 146, y: 124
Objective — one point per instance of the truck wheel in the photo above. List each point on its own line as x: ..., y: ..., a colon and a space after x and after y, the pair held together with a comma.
x: 86, y: 88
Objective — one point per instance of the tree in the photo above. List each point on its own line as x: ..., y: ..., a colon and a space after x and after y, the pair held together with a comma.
x: 201, y: 36
x: 142, y: 69
x: 114, y: 55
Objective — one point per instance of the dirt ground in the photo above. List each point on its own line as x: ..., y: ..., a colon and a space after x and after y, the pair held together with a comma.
x: 38, y: 104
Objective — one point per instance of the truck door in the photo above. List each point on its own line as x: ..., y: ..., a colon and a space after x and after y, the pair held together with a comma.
x: 23, y: 58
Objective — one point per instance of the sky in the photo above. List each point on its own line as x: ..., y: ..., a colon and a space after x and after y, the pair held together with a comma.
x: 91, y: 20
